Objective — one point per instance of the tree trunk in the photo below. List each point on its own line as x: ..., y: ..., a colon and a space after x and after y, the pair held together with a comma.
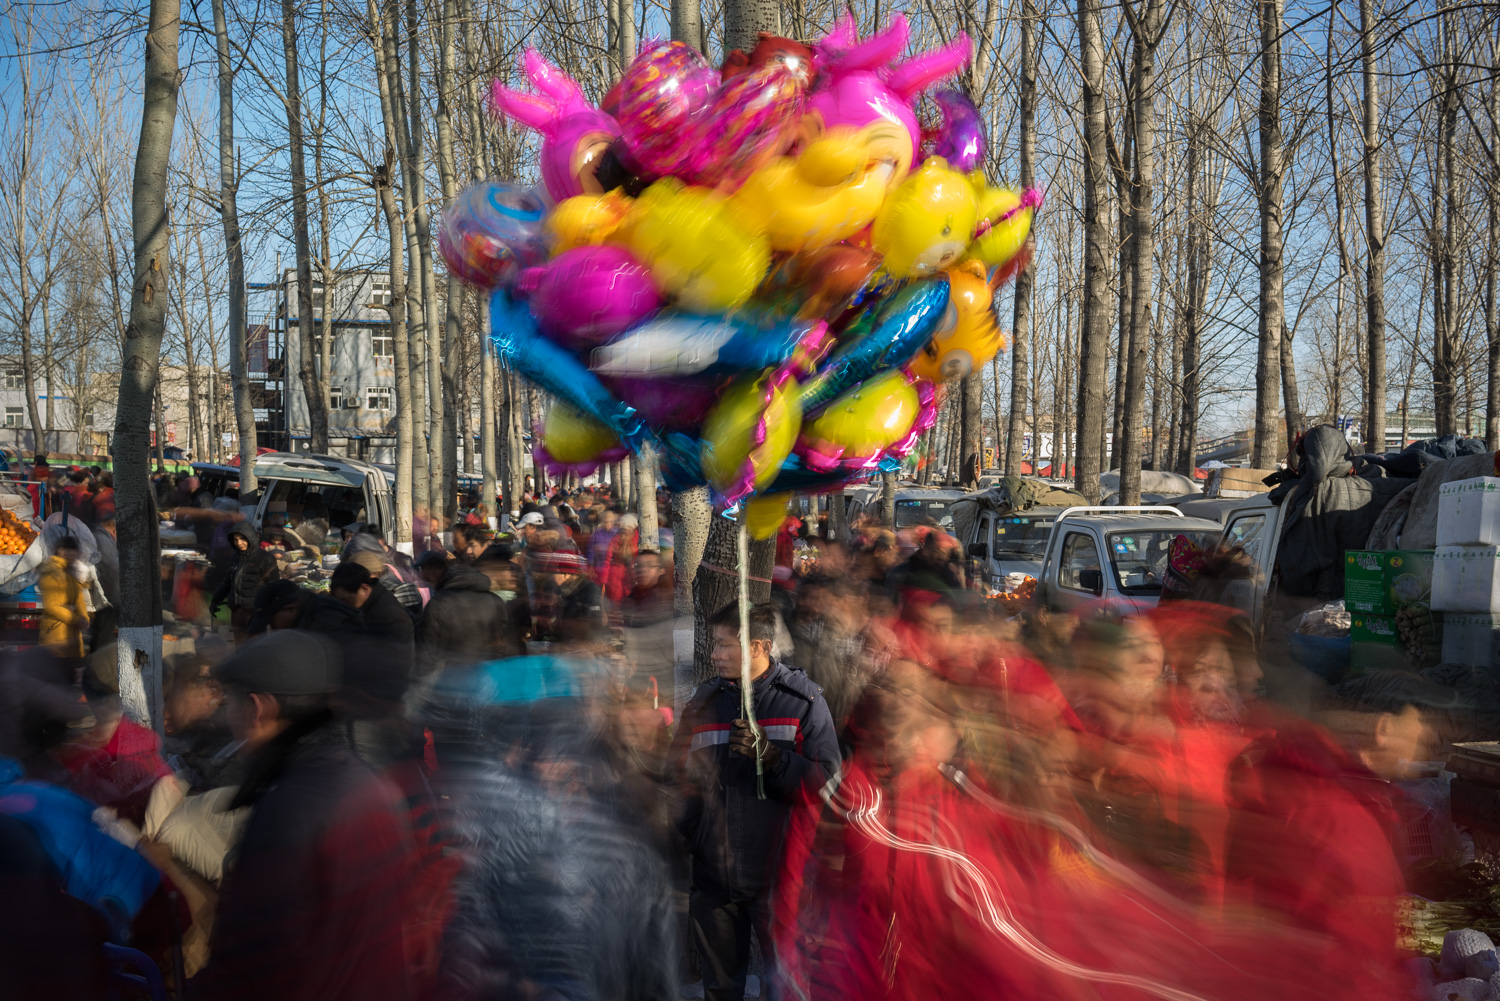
x: 139, y: 650
x: 229, y: 186
x: 691, y: 513
x: 382, y: 35
x: 478, y: 138
x: 48, y: 383
x: 1289, y: 386
x: 745, y: 19
x: 1491, y: 321
x: 1020, y: 350
x: 687, y: 23
x: 317, y: 413
x: 452, y: 323
x: 1374, y: 240
x: 1445, y: 361
x: 888, y: 499
x: 1094, y: 336
x: 971, y: 427
x: 717, y: 585
x: 645, y: 498
x: 1267, y: 443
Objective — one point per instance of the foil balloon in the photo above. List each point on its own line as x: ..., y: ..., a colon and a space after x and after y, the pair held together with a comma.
x: 685, y: 345
x: 752, y: 118
x: 572, y: 442
x: 865, y: 95
x: 587, y: 295
x: 660, y: 96
x: 927, y: 222
x: 748, y: 433
x: 666, y: 403
x: 905, y: 322
x: 827, y: 280
x: 703, y: 251
x: 771, y: 49
x: 764, y: 516
x: 490, y: 232
x: 961, y: 139
x: 799, y: 211
x: 520, y: 344
x: 883, y: 414
x: 971, y: 337
x: 574, y: 132
x: 584, y: 220
x: 1005, y: 218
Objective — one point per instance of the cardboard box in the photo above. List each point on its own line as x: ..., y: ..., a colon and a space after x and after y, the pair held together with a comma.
x: 1375, y: 645
x: 1469, y: 512
x: 1466, y: 579
x: 1232, y: 482
x: 1469, y: 639
x: 1381, y: 581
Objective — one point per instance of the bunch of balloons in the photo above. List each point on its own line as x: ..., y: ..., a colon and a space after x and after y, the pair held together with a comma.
x: 766, y: 271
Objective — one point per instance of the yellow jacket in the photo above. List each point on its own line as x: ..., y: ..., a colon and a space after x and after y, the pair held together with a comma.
x: 63, y: 614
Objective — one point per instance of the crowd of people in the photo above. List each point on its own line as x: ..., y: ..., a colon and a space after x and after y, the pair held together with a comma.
x: 472, y: 775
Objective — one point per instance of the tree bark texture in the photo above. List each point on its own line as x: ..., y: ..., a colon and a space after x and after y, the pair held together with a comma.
x: 1267, y: 445
x: 139, y: 650
x: 1375, y: 240
x: 1094, y: 336
x: 1020, y: 342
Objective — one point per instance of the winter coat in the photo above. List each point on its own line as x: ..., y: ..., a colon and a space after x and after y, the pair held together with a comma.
x: 732, y: 834
x: 252, y: 569
x: 312, y: 906
x: 63, y: 616
x: 108, y: 566
x: 464, y: 622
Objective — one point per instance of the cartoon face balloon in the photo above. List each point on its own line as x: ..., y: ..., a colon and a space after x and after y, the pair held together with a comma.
x: 585, y: 219
x: 574, y: 133
x: 926, y: 223
x: 971, y: 337
x: 702, y: 250
x: 660, y: 96
x: 492, y: 231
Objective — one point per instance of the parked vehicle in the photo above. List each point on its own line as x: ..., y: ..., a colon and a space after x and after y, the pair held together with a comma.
x: 1004, y: 529
x: 1114, y: 553
x: 913, y: 503
x: 350, y: 490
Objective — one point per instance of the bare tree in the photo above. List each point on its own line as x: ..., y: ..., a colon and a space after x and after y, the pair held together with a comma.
x: 1267, y: 444
x: 1021, y: 312
x: 139, y: 657
x: 1094, y: 339
x: 1374, y: 238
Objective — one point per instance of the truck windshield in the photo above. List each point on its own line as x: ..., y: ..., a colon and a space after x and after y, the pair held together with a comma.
x: 1139, y: 559
x: 1019, y: 535
x: 911, y: 512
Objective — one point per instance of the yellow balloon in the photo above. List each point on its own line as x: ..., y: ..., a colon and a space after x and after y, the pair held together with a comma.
x: 763, y: 516
x: 584, y: 220
x: 973, y: 336
x: 801, y: 212
x: 703, y: 250
x: 573, y: 437
x: 1005, y: 237
x: 926, y: 223
x: 830, y: 155
x: 730, y: 451
x: 869, y: 418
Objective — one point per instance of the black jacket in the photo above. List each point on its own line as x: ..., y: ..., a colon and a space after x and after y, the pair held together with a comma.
x: 733, y: 835
x: 251, y: 569
x: 463, y: 622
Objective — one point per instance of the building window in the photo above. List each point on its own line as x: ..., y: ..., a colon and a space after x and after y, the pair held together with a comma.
x: 14, y: 418
x: 385, y: 349
x: 379, y: 398
x: 380, y: 291
x: 88, y: 418
x: 335, y: 399
x: 14, y: 379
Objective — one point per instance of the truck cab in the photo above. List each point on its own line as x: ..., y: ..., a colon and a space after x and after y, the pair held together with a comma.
x: 1005, y: 543
x: 1254, y: 525
x: 1114, y: 553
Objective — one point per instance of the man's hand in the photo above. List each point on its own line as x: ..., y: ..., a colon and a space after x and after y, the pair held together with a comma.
x: 742, y: 741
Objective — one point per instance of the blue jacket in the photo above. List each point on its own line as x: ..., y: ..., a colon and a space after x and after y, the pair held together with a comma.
x: 733, y: 835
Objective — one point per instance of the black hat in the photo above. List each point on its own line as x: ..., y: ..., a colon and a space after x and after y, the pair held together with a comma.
x: 284, y: 662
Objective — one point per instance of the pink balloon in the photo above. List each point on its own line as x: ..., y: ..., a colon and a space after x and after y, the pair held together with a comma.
x: 587, y: 295
x: 752, y: 119
x: 574, y: 133
x: 668, y: 403
x: 661, y: 94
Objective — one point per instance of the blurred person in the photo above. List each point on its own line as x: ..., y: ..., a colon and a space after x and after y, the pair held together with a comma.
x: 463, y: 622
x: 567, y: 607
x: 385, y: 618
x: 108, y: 569
x: 313, y: 904
x: 252, y: 568
x: 64, y: 616
x: 277, y: 605
x: 616, y: 578
x: 38, y: 710
x: 923, y: 630
x: 603, y: 538
x: 737, y: 791
x: 468, y: 542
x: 80, y: 500
x: 399, y: 574
x: 647, y: 613
x: 530, y: 524
x: 928, y: 568
x: 826, y: 628
x: 104, y: 497
x: 1047, y: 634
x: 564, y: 894
x: 498, y: 564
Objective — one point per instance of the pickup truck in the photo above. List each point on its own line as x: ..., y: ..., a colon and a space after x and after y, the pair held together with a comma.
x: 1117, y: 553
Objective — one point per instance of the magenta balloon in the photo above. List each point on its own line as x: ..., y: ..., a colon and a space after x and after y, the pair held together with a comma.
x: 661, y: 95
x: 667, y: 403
x: 587, y: 295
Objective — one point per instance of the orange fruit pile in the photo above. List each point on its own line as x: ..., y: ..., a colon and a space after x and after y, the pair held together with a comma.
x: 15, y: 534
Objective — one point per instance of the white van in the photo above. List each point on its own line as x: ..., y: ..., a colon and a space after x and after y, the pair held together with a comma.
x: 349, y: 489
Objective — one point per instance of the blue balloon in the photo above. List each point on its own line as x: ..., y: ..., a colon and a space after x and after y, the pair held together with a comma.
x: 522, y: 346
x: 684, y: 344
x: 907, y: 321
x: 795, y: 476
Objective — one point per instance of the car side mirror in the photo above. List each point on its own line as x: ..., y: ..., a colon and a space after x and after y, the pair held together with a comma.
x: 979, y: 550
x: 1092, y: 580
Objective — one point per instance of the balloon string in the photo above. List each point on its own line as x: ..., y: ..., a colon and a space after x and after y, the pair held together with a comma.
x: 747, y: 700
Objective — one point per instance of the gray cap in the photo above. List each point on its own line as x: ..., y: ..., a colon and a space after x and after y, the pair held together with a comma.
x: 284, y: 662
x: 533, y: 518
